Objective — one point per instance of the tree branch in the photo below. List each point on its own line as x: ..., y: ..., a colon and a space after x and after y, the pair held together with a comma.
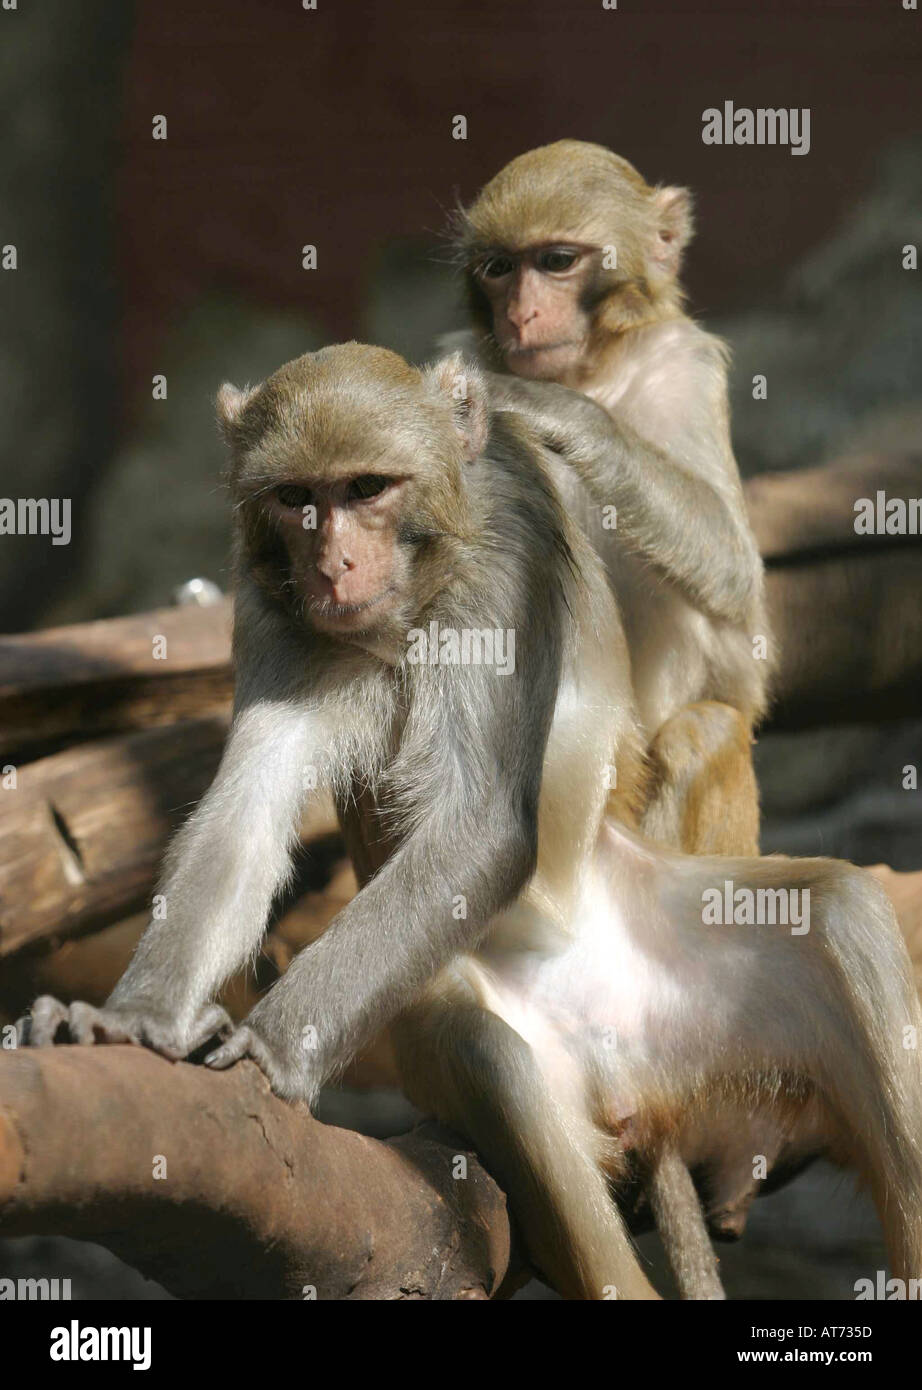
x: 258, y: 1200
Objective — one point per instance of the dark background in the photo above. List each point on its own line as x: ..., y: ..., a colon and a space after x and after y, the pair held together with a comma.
x: 334, y: 128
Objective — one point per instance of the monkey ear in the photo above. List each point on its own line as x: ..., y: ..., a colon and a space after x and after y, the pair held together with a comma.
x: 674, y: 224
x: 462, y: 383
x: 230, y: 402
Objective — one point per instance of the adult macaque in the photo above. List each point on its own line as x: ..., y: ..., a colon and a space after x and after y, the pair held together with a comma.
x: 555, y: 991
x: 571, y: 263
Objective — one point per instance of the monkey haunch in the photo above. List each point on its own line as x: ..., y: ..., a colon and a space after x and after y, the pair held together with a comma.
x: 550, y: 979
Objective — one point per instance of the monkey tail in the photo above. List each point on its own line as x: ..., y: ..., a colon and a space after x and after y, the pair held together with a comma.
x: 873, y: 1079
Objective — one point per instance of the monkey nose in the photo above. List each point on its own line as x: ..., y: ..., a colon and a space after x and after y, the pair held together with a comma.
x: 334, y: 567
x: 520, y: 318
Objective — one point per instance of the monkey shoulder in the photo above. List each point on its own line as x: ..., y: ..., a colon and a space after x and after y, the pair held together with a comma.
x: 670, y: 387
x: 679, y: 346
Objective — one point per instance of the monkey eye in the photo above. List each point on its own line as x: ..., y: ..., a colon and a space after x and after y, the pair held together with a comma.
x: 292, y: 495
x: 557, y: 260
x: 368, y: 485
x: 495, y: 267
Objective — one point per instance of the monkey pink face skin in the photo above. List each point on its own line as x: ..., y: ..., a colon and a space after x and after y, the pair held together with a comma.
x: 348, y: 565
x: 536, y: 297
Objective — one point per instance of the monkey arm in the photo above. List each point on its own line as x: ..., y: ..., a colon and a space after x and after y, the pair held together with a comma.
x: 378, y: 954
x: 663, y: 508
x: 470, y: 759
x: 222, y: 873
x: 226, y: 865
x: 233, y: 854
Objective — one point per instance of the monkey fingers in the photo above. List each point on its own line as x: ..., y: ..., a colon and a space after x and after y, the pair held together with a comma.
x: 81, y: 1022
x: 552, y: 411
x: 534, y: 402
x: 38, y: 1027
x: 243, y: 1042
x: 88, y: 1026
x: 211, y: 1021
x: 508, y: 392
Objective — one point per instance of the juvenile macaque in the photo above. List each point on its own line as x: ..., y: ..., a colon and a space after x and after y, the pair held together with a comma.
x: 571, y: 265
x: 557, y: 989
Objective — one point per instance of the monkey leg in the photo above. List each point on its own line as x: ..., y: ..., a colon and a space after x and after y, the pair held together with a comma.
x: 481, y: 1077
x: 703, y: 797
x: 681, y: 1225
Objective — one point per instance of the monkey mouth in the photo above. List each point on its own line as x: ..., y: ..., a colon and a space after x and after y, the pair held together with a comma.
x: 543, y: 361
x: 534, y: 349
x: 328, y: 611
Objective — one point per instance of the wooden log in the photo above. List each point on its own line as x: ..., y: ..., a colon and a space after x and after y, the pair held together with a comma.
x: 113, y: 676
x: 811, y: 511
x: 208, y: 1183
x: 82, y: 835
x: 846, y: 609
x: 848, y: 631
x: 81, y: 967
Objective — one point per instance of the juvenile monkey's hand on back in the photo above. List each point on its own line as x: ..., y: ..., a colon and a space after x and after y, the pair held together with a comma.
x: 566, y: 421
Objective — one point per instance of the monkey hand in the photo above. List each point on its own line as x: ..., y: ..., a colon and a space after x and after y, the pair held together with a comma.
x: 531, y: 399
x: 566, y: 421
x: 49, y: 1021
x: 287, y: 1067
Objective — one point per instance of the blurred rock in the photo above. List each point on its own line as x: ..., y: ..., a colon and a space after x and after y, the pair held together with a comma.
x: 839, y: 347
x: 161, y: 514
x: 59, y: 307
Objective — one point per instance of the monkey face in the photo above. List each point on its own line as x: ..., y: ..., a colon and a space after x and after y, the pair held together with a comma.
x: 538, y: 300
x: 343, y: 553
x: 346, y: 473
x: 567, y: 248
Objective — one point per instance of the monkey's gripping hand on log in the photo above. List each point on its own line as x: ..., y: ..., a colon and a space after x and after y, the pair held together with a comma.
x: 291, y: 1062
x: 222, y: 871
x: 50, y: 1021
